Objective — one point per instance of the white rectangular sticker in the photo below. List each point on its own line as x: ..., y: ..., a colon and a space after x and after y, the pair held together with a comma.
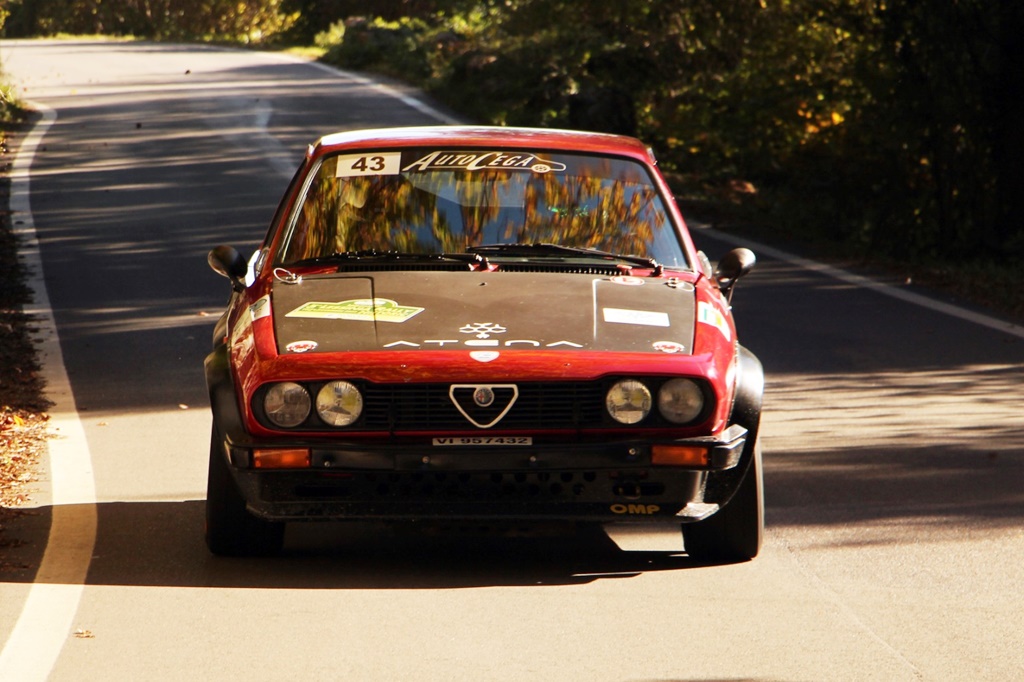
x: 642, y: 317
x: 484, y: 440
x: 356, y: 165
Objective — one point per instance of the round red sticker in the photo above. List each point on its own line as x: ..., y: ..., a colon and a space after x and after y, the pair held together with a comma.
x: 301, y: 346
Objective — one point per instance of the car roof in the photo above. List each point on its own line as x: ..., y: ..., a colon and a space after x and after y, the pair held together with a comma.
x: 487, y: 136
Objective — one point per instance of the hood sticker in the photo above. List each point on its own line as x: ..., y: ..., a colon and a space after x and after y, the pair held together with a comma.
x: 669, y: 346
x: 360, y: 310
x: 709, y: 314
x: 301, y: 346
x: 641, y: 317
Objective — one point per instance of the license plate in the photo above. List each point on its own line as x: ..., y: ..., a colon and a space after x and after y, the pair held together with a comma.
x: 484, y: 440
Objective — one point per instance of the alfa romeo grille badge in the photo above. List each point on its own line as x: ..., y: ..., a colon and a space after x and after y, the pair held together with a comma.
x: 483, y: 405
x: 483, y: 396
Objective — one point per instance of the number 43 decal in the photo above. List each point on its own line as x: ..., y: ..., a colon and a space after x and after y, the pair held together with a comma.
x: 354, y: 165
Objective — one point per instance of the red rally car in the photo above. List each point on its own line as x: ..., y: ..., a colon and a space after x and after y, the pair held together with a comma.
x: 488, y: 324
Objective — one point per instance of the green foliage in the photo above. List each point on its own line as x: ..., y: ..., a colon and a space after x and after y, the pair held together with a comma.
x: 889, y: 128
x: 11, y: 108
x: 247, y: 21
x: 394, y: 48
x: 314, y: 15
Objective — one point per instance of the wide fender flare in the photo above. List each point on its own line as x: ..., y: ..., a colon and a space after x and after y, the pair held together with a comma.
x: 746, y: 411
x: 223, y: 400
x: 749, y: 397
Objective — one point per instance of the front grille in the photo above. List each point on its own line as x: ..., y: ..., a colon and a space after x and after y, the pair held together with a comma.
x: 423, y: 407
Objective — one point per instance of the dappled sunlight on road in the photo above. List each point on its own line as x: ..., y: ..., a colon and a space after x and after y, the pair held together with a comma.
x: 896, y: 458
x: 973, y: 408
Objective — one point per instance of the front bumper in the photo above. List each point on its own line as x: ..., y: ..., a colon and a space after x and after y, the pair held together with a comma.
x: 598, y: 482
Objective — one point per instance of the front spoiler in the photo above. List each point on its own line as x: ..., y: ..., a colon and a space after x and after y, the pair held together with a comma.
x: 580, y: 482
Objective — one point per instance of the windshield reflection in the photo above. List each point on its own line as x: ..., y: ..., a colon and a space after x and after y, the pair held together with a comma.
x: 416, y: 207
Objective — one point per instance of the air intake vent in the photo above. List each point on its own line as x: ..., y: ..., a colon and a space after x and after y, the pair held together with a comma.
x: 404, y: 267
x: 596, y: 270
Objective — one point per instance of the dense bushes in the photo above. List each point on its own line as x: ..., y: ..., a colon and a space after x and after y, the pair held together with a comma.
x: 887, y: 127
x: 882, y: 126
x: 254, y: 21
x: 392, y: 48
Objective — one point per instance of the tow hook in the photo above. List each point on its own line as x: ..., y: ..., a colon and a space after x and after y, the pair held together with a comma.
x: 628, y: 489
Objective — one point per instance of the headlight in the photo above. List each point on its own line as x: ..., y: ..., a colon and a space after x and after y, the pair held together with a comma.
x: 680, y: 401
x: 286, y: 404
x: 339, y: 403
x: 628, y: 401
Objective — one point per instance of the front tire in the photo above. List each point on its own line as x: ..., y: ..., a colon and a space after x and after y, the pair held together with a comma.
x: 230, y: 529
x: 735, y: 532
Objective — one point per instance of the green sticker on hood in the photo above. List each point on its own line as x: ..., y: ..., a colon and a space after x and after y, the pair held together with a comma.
x: 360, y: 309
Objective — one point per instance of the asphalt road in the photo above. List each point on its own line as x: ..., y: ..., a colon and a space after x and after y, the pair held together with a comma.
x: 893, y: 433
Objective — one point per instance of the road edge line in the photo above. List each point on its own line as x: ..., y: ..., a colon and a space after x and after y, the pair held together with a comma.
x: 46, y: 618
x: 911, y: 297
x: 385, y: 89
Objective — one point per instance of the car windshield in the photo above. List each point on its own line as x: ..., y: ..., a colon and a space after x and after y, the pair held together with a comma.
x: 429, y: 201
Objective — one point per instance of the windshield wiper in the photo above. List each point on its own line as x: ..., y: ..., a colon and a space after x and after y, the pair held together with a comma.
x: 546, y: 249
x: 473, y: 259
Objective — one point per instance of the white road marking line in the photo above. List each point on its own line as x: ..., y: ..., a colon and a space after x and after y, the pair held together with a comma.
x: 382, y: 88
x: 282, y: 160
x: 44, y: 624
x: 867, y: 283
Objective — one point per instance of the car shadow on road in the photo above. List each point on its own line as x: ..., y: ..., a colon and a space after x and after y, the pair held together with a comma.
x: 161, y: 544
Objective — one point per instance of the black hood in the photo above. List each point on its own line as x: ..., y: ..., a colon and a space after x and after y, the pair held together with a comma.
x: 407, y: 310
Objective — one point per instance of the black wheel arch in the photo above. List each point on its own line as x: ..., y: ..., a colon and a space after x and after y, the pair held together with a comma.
x: 227, y: 413
x: 746, y: 411
x: 746, y: 405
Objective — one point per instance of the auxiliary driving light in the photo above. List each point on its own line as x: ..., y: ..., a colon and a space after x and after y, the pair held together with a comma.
x: 628, y: 401
x: 339, y: 403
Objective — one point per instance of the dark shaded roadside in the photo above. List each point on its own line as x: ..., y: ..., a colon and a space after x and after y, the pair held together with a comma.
x: 22, y: 403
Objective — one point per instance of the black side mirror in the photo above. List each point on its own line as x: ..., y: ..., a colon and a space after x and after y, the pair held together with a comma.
x: 228, y: 262
x: 733, y: 265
